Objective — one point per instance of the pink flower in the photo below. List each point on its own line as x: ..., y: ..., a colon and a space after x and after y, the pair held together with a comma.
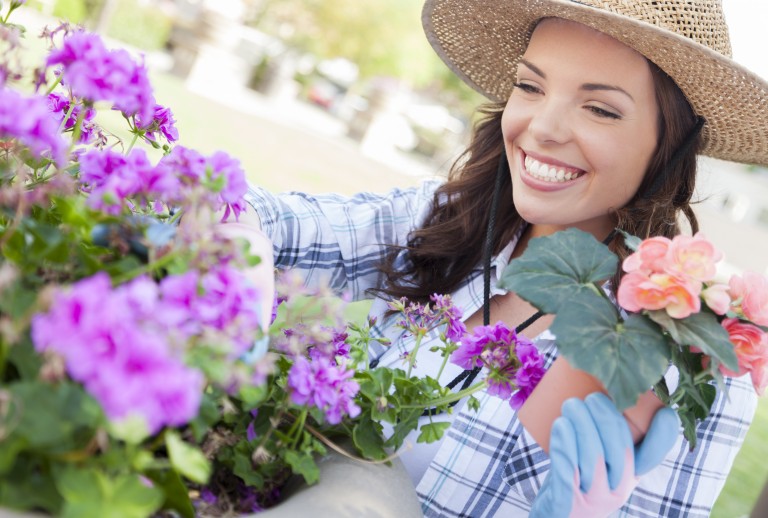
x: 649, y: 257
x: 717, y: 298
x: 750, y: 294
x: 751, y: 345
x: 693, y: 257
x: 679, y: 297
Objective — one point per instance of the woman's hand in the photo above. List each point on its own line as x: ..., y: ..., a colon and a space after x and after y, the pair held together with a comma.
x: 262, y: 275
x: 594, y: 465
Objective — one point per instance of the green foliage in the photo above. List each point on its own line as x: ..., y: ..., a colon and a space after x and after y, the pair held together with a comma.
x: 562, y: 274
x: 554, y: 272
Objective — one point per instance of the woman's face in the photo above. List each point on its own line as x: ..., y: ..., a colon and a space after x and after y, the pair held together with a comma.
x: 579, y: 128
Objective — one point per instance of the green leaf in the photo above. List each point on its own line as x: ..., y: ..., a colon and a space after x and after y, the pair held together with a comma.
x: 174, y: 490
x: 29, y: 486
x: 188, y: 460
x: 703, y: 331
x: 367, y: 436
x: 632, y: 242
x: 304, y: 464
x: 559, y: 268
x: 243, y: 468
x: 409, y: 420
x: 473, y: 403
x: 55, y: 419
x: 433, y: 432
x: 628, y: 357
x: 90, y: 493
x: 26, y: 360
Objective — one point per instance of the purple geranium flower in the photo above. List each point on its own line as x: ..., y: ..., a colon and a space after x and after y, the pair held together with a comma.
x: 232, y: 195
x: 112, y: 178
x: 324, y: 386
x: 60, y: 104
x: 515, y: 365
x: 186, y: 163
x: 162, y: 122
x: 28, y: 120
x: 95, y: 73
x: 113, y: 343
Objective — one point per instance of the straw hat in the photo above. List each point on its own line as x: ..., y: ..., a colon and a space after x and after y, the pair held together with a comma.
x: 482, y: 41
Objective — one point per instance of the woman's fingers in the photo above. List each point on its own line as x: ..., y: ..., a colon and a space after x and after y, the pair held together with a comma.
x: 661, y: 436
x: 589, y: 449
x: 615, y: 436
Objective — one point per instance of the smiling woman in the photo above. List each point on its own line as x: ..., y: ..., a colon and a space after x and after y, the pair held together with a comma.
x: 583, y: 105
x: 598, y: 110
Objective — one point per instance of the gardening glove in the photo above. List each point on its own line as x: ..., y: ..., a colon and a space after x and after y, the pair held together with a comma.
x: 594, y: 465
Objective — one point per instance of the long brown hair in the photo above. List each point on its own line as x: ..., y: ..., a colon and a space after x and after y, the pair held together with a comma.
x: 449, y: 245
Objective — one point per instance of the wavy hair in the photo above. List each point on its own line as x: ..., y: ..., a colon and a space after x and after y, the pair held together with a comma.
x: 449, y: 245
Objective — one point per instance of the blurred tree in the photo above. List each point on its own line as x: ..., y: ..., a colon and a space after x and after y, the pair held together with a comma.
x: 383, y: 37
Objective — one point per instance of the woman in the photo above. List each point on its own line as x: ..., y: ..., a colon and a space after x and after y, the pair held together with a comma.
x: 607, y: 104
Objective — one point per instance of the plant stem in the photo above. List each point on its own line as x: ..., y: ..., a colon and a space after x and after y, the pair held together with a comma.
x: 133, y: 143
x: 297, y: 428
x: 66, y: 116
x: 450, y: 398
x: 442, y: 365
x: 53, y: 86
x: 412, y: 355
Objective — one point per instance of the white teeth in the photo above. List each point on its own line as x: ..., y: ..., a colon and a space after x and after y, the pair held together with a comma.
x: 547, y: 172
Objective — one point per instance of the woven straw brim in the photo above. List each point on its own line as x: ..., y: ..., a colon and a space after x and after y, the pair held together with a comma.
x: 483, y: 40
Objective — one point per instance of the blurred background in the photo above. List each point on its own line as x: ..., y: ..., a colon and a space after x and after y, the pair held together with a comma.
x: 347, y: 95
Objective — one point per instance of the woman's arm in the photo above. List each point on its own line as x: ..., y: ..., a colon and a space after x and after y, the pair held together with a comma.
x: 339, y: 240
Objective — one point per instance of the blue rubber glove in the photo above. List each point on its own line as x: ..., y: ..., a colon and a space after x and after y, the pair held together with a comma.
x: 594, y: 465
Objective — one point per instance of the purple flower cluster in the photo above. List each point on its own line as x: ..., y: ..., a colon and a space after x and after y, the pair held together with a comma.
x: 162, y: 122
x: 193, y: 169
x: 221, y: 300
x: 325, y: 386
x: 28, y: 120
x: 419, y: 319
x: 114, y: 342
x: 114, y: 180
x: 95, y: 73
x: 515, y: 369
x: 59, y: 105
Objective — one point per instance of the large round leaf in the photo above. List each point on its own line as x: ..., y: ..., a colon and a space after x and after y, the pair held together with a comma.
x: 628, y: 357
x: 703, y: 331
x: 559, y: 268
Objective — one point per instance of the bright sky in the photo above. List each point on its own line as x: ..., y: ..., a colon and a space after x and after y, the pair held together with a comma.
x: 748, y: 25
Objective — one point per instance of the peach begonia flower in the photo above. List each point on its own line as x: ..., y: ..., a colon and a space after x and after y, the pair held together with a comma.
x: 750, y: 293
x: 649, y: 257
x: 679, y: 297
x: 693, y: 257
x: 717, y: 298
x: 751, y: 345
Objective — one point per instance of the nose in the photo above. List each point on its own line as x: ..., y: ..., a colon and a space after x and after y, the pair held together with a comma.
x: 549, y: 123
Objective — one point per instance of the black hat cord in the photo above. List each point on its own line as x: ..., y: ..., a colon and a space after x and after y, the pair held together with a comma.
x: 469, y: 375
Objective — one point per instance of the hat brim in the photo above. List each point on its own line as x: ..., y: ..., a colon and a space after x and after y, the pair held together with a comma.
x: 482, y: 42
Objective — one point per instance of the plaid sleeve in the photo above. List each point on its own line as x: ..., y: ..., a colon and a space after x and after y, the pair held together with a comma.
x: 339, y: 240
x: 687, y: 483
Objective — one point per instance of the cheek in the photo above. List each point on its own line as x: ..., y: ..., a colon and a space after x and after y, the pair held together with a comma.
x: 512, y: 121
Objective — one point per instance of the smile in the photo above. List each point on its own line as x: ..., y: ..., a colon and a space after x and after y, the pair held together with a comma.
x: 550, y: 173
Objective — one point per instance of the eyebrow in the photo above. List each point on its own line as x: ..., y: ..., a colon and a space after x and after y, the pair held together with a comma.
x: 589, y: 87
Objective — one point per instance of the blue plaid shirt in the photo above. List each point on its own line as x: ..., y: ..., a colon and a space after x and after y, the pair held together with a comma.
x: 486, y: 464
